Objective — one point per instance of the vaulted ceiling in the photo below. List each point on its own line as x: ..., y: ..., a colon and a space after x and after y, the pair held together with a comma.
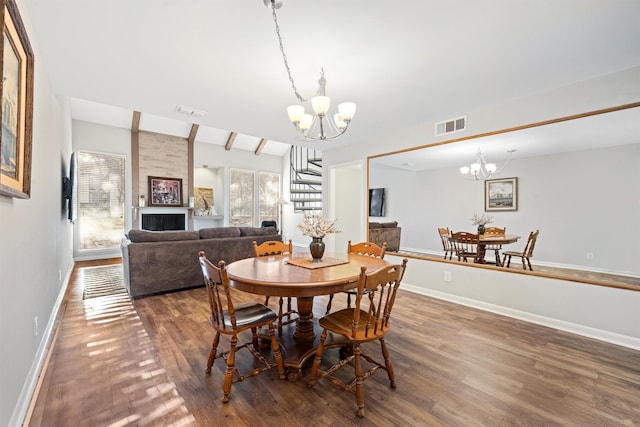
x: 403, y: 63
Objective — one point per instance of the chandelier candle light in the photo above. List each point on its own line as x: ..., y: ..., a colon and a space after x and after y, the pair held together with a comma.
x: 316, y: 226
x: 481, y: 168
x: 318, y: 126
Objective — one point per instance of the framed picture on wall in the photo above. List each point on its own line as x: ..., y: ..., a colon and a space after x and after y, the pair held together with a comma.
x: 165, y: 191
x: 203, y: 200
x: 16, y: 92
x: 501, y: 194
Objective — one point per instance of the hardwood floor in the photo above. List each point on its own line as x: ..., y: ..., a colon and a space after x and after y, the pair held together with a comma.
x: 119, y: 363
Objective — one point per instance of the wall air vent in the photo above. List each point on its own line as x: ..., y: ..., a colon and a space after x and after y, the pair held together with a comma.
x: 452, y: 125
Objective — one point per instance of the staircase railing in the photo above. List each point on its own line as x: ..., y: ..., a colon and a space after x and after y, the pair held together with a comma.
x: 306, y: 179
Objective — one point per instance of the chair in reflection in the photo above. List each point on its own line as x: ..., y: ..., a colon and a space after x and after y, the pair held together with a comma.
x: 362, y: 248
x: 495, y: 231
x: 231, y: 320
x: 465, y: 245
x: 526, y: 254
x: 368, y: 321
x: 276, y: 247
x: 445, y: 236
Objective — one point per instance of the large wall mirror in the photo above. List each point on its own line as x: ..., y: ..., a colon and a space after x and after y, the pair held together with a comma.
x: 578, y: 183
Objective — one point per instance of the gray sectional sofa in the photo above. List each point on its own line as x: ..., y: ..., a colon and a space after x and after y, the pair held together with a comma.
x: 161, y: 261
x: 389, y: 232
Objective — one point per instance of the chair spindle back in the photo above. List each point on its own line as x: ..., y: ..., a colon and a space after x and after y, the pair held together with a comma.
x: 367, y: 249
x: 376, y: 296
x: 217, y: 282
x: 272, y: 247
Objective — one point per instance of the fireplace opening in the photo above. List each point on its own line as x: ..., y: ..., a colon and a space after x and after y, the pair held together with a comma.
x: 162, y: 222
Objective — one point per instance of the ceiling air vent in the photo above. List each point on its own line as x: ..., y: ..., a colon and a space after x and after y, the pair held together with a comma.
x: 451, y: 125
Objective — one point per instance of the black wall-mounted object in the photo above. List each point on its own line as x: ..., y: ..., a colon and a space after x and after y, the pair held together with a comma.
x: 69, y: 190
x: 376, y: 202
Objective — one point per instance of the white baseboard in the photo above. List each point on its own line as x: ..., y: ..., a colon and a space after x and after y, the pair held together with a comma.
x: 23, y: 406
x: 606, y: 336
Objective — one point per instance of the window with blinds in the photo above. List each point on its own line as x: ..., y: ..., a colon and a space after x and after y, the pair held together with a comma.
x: 100, y: 201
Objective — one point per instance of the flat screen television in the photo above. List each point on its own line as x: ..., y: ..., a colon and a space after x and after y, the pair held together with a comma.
x: 376, y: 202
x: 69, y: 189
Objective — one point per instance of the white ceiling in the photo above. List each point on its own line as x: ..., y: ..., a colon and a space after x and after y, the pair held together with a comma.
x: 404, y: 63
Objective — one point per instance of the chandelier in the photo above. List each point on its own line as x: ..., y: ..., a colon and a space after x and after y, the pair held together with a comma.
x: 481, y: 169
x: 317, y: 126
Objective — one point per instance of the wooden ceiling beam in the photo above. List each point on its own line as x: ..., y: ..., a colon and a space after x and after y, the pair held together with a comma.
x: 193, y: 133
x: 135, y: 122
x: 263, y: 142
x: 232, y: 137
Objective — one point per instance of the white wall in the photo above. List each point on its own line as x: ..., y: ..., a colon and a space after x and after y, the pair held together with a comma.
x: 349, y: 179
x: 601, y: 312
x: 575, y: 200
x: 222, y: 161
x: 35, y: 247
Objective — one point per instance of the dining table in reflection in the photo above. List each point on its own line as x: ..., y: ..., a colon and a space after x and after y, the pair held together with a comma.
x: 490, y: 240
x: 278, y: 275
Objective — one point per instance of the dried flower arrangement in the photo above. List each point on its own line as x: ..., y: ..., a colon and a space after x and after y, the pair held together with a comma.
x: 481, y: 219
x: 315, y: 225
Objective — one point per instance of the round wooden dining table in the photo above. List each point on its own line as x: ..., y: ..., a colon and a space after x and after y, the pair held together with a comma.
x: 294, y: 275
x: 488, y: 239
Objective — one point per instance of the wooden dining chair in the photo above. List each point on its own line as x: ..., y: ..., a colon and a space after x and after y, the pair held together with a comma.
x: 369, y: 320
x: 362, y: 248
x: 231, y: 320
x: 495, y: 231
x: 465, y: 245
x: 276, y: 247
x: 526, y: 254
x: 445, y: 238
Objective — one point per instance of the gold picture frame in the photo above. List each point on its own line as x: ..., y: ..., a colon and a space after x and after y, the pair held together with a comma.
x: 16, y: 92
x: 203, y: 198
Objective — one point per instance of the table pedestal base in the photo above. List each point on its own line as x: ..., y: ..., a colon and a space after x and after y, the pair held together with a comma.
x: 296, y: 351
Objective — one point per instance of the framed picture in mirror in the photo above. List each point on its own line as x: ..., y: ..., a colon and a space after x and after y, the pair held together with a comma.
x: 501, y: 194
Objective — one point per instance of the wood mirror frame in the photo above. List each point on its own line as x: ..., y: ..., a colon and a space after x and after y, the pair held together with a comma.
x: 627, y: 277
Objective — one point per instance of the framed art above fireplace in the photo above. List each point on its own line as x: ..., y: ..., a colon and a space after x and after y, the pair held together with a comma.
x: 165, y: 191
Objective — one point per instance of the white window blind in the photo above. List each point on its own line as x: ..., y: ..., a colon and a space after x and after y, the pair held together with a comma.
x: 100, y: 204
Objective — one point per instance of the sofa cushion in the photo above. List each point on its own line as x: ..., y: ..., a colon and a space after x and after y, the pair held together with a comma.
x: 375, y: 225
x: 255, y: 231
x: 217, y: 232
x: 139, y: 236
x: 392, y: 224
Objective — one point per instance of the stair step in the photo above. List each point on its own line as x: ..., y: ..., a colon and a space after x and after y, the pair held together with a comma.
x: 306, y: 182
x: 305, y: 191
x: 314, y: 199
x: 308, y: 208
x: 308, y: 171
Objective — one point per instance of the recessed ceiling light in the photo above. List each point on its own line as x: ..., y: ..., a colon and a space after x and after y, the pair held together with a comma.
x: 190, y: 111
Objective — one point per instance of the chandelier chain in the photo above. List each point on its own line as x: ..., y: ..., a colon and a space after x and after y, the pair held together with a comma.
x: 284, y: 55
